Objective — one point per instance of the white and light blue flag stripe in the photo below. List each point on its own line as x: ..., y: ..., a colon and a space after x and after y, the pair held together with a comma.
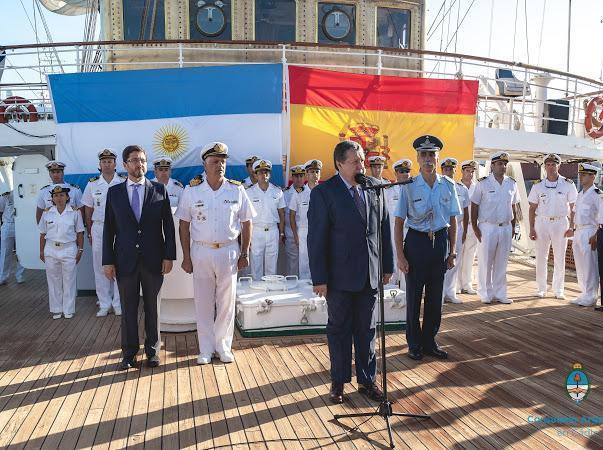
x: 170, y: 112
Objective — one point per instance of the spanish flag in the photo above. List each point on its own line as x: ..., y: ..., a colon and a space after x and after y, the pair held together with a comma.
x: 384, y: 114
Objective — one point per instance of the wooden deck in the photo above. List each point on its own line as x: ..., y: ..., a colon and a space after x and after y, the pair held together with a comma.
x: 59, y: 387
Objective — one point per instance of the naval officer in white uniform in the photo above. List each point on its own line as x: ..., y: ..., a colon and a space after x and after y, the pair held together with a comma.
x: 269, y: 225
x: 56, y: 171
x: 212, y: 216
x: 551, y: 221
x: 61, y: 246
x: 493, y: 218
x: 163, y: 174
x: 376, y: 166
x: 300, y: 204
x: 7, y: 241
x: 93, y: 199
x: 465, y: 269
x: 584, y: 245
x: 392, y: 196
x: 448, y: 167
x: 298, y: 175
x: 251, y: 179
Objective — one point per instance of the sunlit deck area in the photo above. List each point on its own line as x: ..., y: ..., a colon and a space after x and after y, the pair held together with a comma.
x: 59, y: 387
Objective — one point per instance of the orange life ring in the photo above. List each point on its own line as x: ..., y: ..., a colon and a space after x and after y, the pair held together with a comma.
x: 16, y: 100
x: 593, y: 123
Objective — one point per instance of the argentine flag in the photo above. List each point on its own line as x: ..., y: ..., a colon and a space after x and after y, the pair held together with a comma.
x: 170, y: 112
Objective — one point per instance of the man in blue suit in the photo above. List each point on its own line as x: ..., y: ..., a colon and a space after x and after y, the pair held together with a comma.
x: 344, y: 264
x: 139, y: 248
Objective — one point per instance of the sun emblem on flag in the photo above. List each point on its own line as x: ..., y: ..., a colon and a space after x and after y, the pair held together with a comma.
x: 171, y: 140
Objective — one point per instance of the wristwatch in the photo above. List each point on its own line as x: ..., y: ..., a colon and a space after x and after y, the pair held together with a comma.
x: 243, y: 255
x: 452, y: 255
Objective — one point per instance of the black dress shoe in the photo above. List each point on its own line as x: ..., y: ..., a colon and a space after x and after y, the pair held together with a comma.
x: 440, y: 354
x: 415, y: 354
x: 336, y: 394
x: 153, y: 361
x: 372, y: 391
x: 127, y: 363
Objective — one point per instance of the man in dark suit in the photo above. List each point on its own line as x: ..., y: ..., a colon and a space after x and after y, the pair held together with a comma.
x: 139, y: 248
x: 344, y: 263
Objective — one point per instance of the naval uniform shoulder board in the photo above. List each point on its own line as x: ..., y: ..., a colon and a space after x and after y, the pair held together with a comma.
x: 44, y: 187
x: 569, y: 180
x: 537, y: 181
x: 482, y: 178
x: 235, y: 182
x: 74, y: 185
x: 178, y: 183
x: 513, y: 179
x: 287, y: 188
x: 94, y: 178
x: 123, y: 177
x: 196, y: 180
x: 47, y: 209
x: 597, y: 190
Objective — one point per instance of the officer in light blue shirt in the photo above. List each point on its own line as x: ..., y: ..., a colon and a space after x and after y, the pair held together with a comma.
x: 428, y: 204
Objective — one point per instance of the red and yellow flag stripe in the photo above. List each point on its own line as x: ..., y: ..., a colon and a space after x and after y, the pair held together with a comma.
x: 384, y: 114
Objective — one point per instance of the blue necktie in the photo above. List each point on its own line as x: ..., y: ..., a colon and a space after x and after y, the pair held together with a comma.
x: 136, y: 202
x: 359, y: 203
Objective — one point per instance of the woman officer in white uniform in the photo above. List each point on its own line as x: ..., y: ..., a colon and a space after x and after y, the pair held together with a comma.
x: 61, y: 246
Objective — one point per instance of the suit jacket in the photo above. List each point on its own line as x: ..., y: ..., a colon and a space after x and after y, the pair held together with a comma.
x: 342, y: 249
x: 125, y: 240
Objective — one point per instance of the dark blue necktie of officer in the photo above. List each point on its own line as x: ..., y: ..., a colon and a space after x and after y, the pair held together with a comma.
x: 359, y: 203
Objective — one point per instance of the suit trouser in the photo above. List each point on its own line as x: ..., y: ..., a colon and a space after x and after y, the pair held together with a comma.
x: 106, y: 298
x: 427, y: 265
x: 493, y: 256
x: 129, y: 292
x: 466, y: 259
x: 7, y: 245
x: 214, y: 283
x: 304, y: 262
x: 264, y: 250
x: 586, y: 261
x: 451, y: 276
x: 351, y: 319
x: 61, y: 276
x: 550, y: 232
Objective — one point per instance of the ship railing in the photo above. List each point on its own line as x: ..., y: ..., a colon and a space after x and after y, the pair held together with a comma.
x: 547, y: 97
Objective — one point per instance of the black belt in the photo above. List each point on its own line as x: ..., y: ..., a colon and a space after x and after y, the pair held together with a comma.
x: 428, y: 233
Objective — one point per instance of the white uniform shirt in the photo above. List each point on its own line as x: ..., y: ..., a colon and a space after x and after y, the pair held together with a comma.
x: 300, y: 203
x: 215, y: 216
x: 174, y: 190
x: 495, y: 199
x: 7, y: 208
x: 464, y: 200
x: 95, y: 195
x: 44, y: 200
x: 392, y: 196
x: 130, y: 190
x: 289, y: 193
x: 587, y: 209
x: 553, y: 197
x: 247, y: 183
x: 266, y: 203
x: 61, y: 227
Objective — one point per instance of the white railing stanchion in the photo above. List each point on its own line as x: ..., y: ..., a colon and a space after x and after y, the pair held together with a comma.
x: 574, y: 108
x: 180, y: 55
x: 523, y: 98
x: 379, y: 61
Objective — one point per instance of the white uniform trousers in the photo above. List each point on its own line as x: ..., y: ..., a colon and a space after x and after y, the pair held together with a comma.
x: 304, y: 260
x: 214, y: 282
x: 292, y: 256
x: 106, y: 291
x: 550, y: 232
x: 466, y: 260
x: 451, y: 276
x: 587, y: 270
x: 264, y: 250
x: 493, y: 256
x: 61, y: 276
x: 7, y: 246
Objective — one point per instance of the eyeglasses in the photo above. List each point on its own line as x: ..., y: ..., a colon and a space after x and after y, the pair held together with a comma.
x: 137, y: 161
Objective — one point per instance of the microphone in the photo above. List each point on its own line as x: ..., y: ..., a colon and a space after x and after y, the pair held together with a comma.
x: 361, y: 179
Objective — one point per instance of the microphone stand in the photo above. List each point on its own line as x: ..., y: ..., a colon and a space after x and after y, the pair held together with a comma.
x: 385, y: 407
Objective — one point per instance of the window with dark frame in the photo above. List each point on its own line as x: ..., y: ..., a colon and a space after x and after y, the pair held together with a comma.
x: 275, y: 20
x: 393, y: 28
x: 336, y: 23
x: 144, y: 20
x: 210, y: 20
